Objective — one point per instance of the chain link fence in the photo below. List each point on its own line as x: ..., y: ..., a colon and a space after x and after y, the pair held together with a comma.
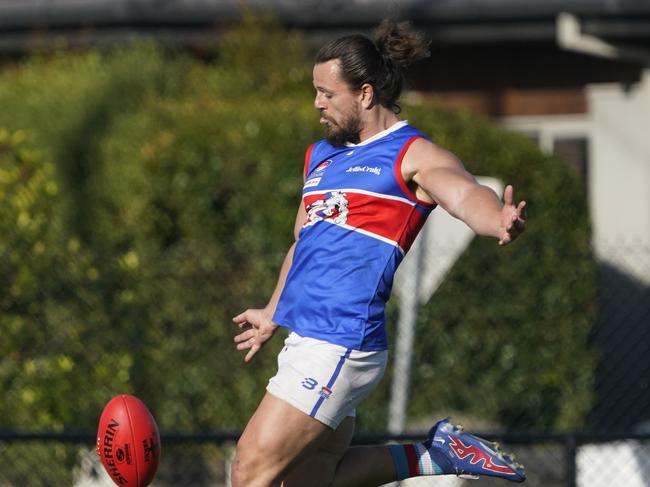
x: 582, y: 460
x: 622, y: 334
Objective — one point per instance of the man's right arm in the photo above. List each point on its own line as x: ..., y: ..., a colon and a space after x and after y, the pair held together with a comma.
x: 301, y: 217
x: 260, y: 321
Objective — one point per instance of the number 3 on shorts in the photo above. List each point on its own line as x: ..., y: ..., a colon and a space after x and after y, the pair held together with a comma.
x: 309, y: 383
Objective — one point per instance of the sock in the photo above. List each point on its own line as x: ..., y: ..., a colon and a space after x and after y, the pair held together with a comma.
x: 413, y: 460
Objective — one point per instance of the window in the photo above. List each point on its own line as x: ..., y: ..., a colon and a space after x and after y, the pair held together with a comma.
x: 566, y: 137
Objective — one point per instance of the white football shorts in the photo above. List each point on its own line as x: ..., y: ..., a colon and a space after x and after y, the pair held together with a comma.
x: 323, y: 380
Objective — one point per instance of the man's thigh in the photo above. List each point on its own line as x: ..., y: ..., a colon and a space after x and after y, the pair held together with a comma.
x: 278, y: 437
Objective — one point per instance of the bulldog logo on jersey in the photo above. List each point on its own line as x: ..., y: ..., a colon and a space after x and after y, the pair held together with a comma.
x: 334, y: 208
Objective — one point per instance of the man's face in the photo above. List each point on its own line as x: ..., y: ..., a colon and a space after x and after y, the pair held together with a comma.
x: 339, y: 106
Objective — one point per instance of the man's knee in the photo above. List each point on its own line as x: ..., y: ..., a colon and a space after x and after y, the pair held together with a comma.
x: 251, y: 467
x: 319, y: 469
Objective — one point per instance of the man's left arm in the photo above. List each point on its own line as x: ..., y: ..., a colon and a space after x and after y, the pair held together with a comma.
x: 438, y: 175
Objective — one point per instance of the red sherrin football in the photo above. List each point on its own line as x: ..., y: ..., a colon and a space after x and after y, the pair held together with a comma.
x: 128, y: 441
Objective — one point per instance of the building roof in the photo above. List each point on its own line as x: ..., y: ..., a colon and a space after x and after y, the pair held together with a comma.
x: 190, y: 21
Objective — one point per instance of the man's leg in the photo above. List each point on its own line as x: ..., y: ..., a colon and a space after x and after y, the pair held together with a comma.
x: 335, y: 463
x: 447, y: 451
x: 282, y: 442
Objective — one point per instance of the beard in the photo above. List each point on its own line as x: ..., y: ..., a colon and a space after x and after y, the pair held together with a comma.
x: 346, y: 132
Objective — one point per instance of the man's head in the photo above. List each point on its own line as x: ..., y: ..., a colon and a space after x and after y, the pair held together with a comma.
x: 340, y: 106
x: 353, y: 74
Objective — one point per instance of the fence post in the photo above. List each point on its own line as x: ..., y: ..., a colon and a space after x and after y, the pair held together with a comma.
x: 408, y: 315
x: 571, y: 451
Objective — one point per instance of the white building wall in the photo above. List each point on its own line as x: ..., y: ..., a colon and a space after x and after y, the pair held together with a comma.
x: 619, y: 171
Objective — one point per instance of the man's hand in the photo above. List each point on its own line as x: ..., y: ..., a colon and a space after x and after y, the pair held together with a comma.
x: 513, y: 218
x: 261, y: 328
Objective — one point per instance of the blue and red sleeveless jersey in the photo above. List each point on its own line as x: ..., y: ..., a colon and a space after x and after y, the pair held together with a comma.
x: 361, y: 220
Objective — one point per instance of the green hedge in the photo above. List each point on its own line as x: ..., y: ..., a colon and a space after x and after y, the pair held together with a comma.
x: 160, y: 203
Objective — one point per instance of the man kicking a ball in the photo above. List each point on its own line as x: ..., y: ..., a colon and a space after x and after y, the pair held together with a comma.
x: 369, y: 187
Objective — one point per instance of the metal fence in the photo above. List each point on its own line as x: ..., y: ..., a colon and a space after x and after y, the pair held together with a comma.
x: 552, y: 460
x: 622, y: 335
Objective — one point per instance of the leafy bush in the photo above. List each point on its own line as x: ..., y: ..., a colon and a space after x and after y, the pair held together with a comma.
x: 47, y: 293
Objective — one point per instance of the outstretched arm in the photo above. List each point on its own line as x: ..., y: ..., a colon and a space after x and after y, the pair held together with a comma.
x: 259, y: 322
x: 438, y: 176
